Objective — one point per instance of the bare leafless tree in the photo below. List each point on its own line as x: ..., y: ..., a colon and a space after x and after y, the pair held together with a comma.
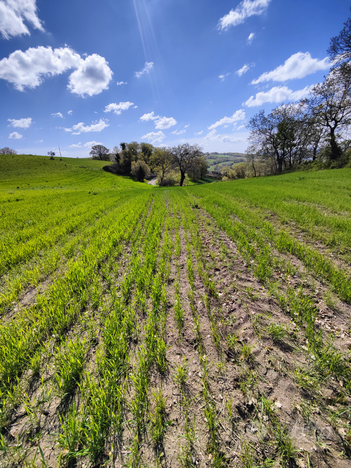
x: 330, y: 105
x: 7, y: 150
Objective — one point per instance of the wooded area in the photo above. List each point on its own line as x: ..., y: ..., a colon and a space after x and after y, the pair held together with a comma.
x: 143, y: 160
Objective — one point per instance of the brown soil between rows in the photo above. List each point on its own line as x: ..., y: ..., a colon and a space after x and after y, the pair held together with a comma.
x: 247, y: 313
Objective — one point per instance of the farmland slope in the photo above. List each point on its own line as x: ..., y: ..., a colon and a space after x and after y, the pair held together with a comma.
x: 176, y: 327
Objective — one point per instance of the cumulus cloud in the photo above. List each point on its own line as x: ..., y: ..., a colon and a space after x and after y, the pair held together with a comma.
x: 149, y: 116
x: 160, y: 122
x: 155, y: 137
x: 57, y: 114
x: 277, y: 94
x: 297, y: 66
x: 120, y: 83
x: 178, y: 132
x: 214, y: 136
x: 92, y: 76
x: 237, y: 116
x: 29, y: 69
x: 223, y: 77
x: 199, y: 133
x: 74, y: 145
x: 70, y: 112
x: 15, y: 136
x: 147, y: 68
x: 82, y: 128
x: 165, y: 122
x: 14, y: 13
x: 20, y: 123
x: 244, y: 69
x: 244, y: 10
x: 251, y: 38
x: 118, y: 108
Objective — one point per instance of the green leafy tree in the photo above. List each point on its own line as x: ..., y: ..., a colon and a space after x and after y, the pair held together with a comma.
x: 161, y: 162
x: 183, y: 157
x: 100, y: 153
x: 147, y: 150
x: 140, y: 170
x: 199, y: 168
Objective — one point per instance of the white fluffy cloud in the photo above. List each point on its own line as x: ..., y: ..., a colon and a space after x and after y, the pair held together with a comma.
x: 161, y: 123
x: 277, y: 94
x: 165, y: 122
x: 214, y: 136
x: 149, y: 116
x: 57, y: 114
x: 244, y: 69
x: 236, y: 117
x: 70, y: 112
x: 92, y: 76
x: 30, y: 68
x: 118, y: 108
x: 244, y: 10
x: 120, y: 83
x: 78, y: 145
x: 89, y: 144
x: 297, y: 66
x: 147, y: 68
x: 82, y: 128
x: 20, y: 123
x: 15, y: 136
x: 13, y: 14
x: 155, y: 137
x: 178, y: 132
x: 251, y: 38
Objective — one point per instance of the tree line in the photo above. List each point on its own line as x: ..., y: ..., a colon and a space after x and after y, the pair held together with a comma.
x: 142, y: 160
x: 7, y: 150
x: 314, y: 129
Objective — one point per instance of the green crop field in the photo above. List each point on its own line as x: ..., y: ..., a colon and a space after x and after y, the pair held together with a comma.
x: 193, y: 326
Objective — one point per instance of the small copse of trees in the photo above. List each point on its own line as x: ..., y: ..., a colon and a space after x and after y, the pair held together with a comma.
x: 7, y: 150
x: 143, y: 160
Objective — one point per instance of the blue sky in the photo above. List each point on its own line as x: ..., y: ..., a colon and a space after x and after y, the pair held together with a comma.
x: 75, y: 73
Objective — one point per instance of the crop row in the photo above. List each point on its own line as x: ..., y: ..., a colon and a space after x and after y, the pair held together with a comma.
x: 60, y: 306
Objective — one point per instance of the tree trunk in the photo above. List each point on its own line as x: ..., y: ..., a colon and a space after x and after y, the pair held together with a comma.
x: 335, y: 149
x: 182, y: 177
x: 253, y: 167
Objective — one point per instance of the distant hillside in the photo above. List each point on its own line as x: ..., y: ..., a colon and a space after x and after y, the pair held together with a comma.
x: 217, y: 161
x: 39, y: 172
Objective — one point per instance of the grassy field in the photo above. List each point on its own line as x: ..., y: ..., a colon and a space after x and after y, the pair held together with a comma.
x: 200, y: 326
